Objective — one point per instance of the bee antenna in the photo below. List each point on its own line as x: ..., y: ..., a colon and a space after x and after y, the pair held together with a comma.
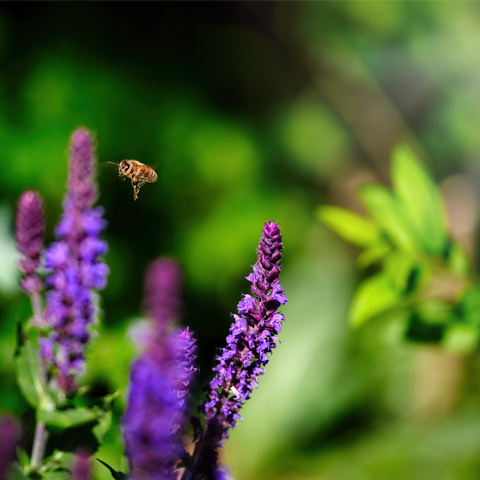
x: 113, y: 163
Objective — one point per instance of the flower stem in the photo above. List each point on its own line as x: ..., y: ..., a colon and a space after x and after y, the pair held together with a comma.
x: 41, y: 433
x: 39, y: 444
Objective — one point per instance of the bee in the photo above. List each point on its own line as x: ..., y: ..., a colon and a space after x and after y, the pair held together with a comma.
x: 138, y: 173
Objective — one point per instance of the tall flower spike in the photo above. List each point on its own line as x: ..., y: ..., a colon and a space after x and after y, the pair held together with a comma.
x: 30, y: 227
x: 76, y: 267
x: 159, y: 381
x: 252, y: 338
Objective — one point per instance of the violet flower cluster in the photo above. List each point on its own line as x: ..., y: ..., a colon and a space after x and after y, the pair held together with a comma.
x: 76, y: 267
x: 252, y: 337
x: 159, y: 381
x: 30, y: 228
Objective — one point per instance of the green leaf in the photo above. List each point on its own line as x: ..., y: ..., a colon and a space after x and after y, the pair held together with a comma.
x: 351, y: 226
x: 461, y: 338
x: 104, y: 423
x: 406, y: 273
x: 470, y: 305
x: 79, y: 427
x: 435, y: 312
x: 374, y: 296
x: 389, y: 216
x: 23, y: 458
x: 61, y: 474
x: 104, y: 412
x: 372, y: 255
x: 458, y: 261
x: 16, y: 473
x: 27, y: 370
x: 72, y: 417
x: 421, y: 199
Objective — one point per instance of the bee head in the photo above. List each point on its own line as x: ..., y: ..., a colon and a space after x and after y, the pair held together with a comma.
x: 124, y: 167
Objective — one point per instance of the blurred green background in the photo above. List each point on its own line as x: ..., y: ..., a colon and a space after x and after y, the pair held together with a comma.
x: 256, y: 111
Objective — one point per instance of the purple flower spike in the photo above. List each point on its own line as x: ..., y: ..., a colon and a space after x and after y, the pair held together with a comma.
x: 159, y: 381
x: 81, y: 466
x: 251, y: 340
x: 150, y: 417
x: 9, y: 433
x: 76, y: 267
x: 30, y: 227
x: 163, y: 287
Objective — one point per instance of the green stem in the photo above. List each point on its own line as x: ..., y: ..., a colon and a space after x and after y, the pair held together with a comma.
x: 41, y: 433
x: 39, y: 444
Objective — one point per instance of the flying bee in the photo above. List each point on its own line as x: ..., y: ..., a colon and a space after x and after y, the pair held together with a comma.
x: 138, y: 173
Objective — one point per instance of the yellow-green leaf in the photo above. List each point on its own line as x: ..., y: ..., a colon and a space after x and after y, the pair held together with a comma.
x: 374, y: 296
x: 421, y: 200
x: 388, y: 215
x: 461, y: 338
x: 349, y: 225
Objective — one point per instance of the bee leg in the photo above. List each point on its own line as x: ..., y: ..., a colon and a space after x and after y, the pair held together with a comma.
x: 136, y: 189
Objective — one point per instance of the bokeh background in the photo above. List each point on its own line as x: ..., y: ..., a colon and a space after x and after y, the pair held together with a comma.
x: 256, y: 111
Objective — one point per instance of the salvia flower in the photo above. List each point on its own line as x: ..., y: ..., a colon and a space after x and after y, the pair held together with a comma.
x: 9, y: 435
x: 159, y: 381
x: 252, y: 337
x: 76, y: 267
x: 30, y: 227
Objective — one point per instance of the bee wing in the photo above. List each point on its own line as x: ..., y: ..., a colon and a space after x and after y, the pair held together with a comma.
x: 153, y: 166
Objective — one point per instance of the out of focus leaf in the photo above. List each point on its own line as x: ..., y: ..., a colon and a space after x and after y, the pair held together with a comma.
x: 104, y: 415
x: 470, y: 305
x: 373, y: 254
x: 72, y: 417
x: 435, y: 311
x: 72, y: 439
x: 406, y: 273
x: 374, y: 296
x: 16, y: 473
x: 461, y: 338
x: 27, y: 369
x: 57, y: 475
x: 23, y: 458
x: 458, y: 261
x: 388, y: 215
x: 421, y: 199
x: 349, y: 225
